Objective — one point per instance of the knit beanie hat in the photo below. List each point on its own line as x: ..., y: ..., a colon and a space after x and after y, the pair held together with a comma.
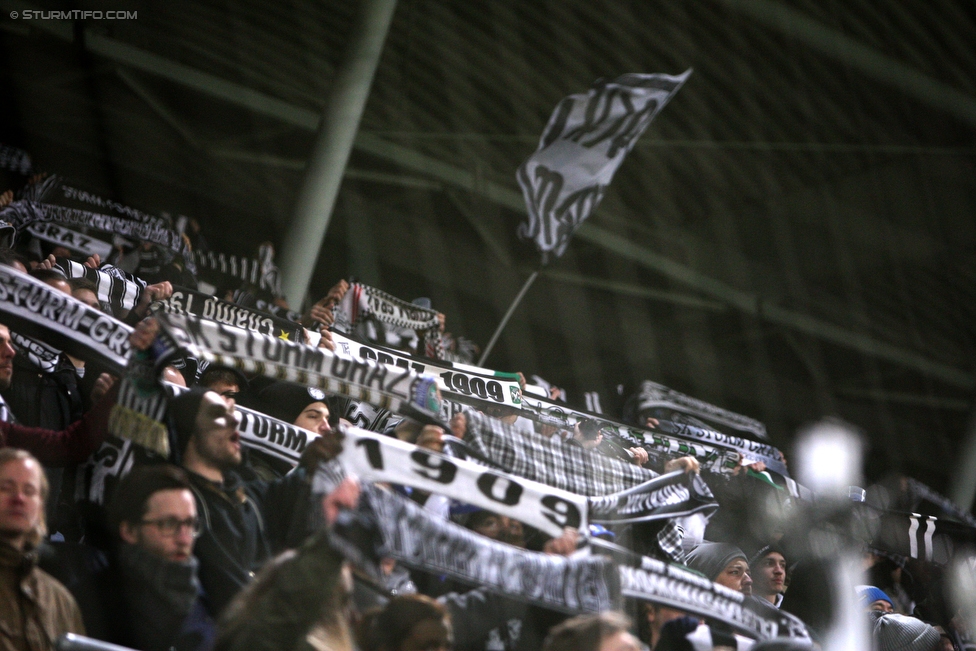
x: 895, y: 632
x: 868, y: 594
x: 286, y: 401
x: 764, y: 552
x: 711, y: 558
x: 183, y: 415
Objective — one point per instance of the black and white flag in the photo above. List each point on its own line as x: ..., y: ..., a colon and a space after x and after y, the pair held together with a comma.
x: 581, y: 148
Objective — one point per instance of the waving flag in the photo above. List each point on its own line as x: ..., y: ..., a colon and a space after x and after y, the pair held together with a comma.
x: 581, y: 148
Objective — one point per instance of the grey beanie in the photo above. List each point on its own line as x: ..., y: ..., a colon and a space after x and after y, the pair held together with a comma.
x: 902, y: 633
x: 711, y: 558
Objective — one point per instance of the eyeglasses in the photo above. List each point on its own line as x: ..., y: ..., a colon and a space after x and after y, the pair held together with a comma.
x: 169, y: 526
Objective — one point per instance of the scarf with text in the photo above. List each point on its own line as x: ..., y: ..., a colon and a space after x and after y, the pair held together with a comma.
x: 578, y: 584
x: 54, y: 190
x: 389, y: 387
x: 44, y: 357
x: 266, y: 434
x: 549, y: 509
x: 37, y: 310
x: 426, y: 542
x: 652, y: 395
x: 189, y: 302
x: 462, y: 382
x: 692, y: 593
x: 24, y: 213
x: 384, y: 459
x: 70, y: 239
x: 362, y: 302
x: 247, y: 299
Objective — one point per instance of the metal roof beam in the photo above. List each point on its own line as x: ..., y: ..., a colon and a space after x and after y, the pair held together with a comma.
x: 794, y: 25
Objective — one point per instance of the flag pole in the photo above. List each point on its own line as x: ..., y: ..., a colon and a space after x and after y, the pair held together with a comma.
x: 508, y: 315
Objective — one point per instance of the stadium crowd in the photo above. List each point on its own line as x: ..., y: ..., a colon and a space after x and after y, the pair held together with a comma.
x: 172, y: 529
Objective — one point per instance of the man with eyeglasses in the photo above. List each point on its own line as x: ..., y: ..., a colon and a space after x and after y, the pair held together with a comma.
x: 155, y: 518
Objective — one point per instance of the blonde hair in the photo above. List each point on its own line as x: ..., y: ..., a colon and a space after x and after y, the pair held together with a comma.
x: 37, y: 534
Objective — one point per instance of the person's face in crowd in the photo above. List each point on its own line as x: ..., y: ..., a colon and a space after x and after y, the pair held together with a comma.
x: 770, y: 576
x: 61, y: 252
x: 491, y: 526
x: 227, y: 390
x: 315, y: 417
x: 7, y: 354
x: 588, y: 440
x: 216, y: 440
x: 173, y: 375
x: 60, y: 285
x: 620, y: 641
x: 736, y: 577
x: 880, y: 606
x: 87, y: 297
x: 514, y: 533
x: 167, y: 529
x: 428, y: 635
x: 21, y: 500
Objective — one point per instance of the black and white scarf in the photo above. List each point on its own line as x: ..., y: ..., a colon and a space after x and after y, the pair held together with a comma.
x: 912, y: 535
x: 24, y: 213
x: 113, y: 286
x: 54, y: 190
x: 423, y: 541
x: 716, y: 452
x: 39, y: 311
x: 71, y: 239
x: 188, y: 301
x: 578, y: 584
x: 652, y: 395
x: 42, y: 356
x: 362, y: 301
x: 549, y: 509
x: 266, y: 434
x: 388, y: 387
x: 465, y: 383
x: 230, y: 271
x: 384, y: 459
x: 678, y: 588
x: 533, y: 456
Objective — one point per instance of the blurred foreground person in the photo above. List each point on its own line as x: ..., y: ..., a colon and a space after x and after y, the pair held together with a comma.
x: 894, y: 632
x: 34, y: 608
x: 408, y: 623
x: 604, y: 632
x: 298, y: 600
